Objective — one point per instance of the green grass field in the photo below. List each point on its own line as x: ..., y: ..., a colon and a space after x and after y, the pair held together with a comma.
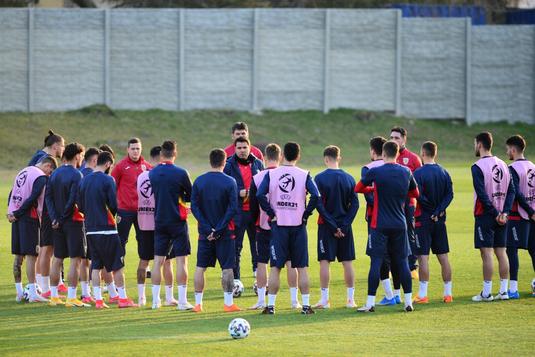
x: 460, y: 328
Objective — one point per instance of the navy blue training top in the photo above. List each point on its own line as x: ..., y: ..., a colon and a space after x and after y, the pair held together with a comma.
x: 39, y: 154
x: 61, y: 192
x: 97, y: 200
x: 436, y: 192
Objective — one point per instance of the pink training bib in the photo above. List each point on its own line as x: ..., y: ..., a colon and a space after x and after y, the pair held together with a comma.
x: 287, y: 194
x: 526, y: 174
x: 497, y: 178
x: 22, y: 189
x: 145, y: 202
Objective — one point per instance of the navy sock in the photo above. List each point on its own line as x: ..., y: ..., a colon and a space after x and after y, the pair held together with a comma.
x: 512, y: 254
x: 374, y: 275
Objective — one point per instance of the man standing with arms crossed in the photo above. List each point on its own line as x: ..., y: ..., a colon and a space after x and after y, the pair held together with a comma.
x: 282, y: 195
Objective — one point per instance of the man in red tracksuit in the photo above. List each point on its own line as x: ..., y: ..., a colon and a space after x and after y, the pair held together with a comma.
x: 125, y: 174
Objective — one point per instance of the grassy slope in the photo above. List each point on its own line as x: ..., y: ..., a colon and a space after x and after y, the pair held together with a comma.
x: 462, y: 327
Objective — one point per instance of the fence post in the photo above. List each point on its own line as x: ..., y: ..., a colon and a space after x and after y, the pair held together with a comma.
x: 30, y: 60
x: 181, y: 36
x: 398, y: 63
x: 468, y: 89
x: 326, y: 61
x: 254, y: 80
x: 107, y: 89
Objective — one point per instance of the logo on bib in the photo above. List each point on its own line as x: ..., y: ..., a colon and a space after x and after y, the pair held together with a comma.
x: 21, y: 179
x: 497, y: 174
x: 531, y: 178
x: 286, y: 183
x: 146, y: 189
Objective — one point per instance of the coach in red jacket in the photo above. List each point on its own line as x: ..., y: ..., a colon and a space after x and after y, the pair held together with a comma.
x: 125, y: 174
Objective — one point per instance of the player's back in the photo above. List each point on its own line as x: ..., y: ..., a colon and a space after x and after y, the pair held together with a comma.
x: 337, y: 190
x: 435, y: 185
x: 99, y: 201
x: 212, y: 193
x: 64, y: 179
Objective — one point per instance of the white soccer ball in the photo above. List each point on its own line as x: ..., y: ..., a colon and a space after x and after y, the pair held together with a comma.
x: 26, y: 292
x: 239, y: 328
x: 533, y: 286
x: 238, y: 288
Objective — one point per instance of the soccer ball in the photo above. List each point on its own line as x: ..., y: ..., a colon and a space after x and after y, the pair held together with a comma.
x: 533, y: 286
x: 26, y: 292
x: 238, y: 288
x: 239, y: 328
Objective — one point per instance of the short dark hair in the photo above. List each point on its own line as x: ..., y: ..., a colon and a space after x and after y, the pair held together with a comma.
x: 217, y: 158
x: 485, y: 139
x: 134, y: 141
x: 517, y: 141
x: 390, y: 149
x: 241, y: 139
x: 376, y: 144
x: 332, y: 151
x: 399, y: 129
x: 105, y: 157
x: 291, y: 151
x: 155, y: 151
x: 239, y: 126
x: 273, y: 152
x: 72, y: 150
x: 106, y: 147
x: 47, y: 159
x: 90, y: 153
x: 168, y: 149
x: 52, y: 138
x: 430, y: 148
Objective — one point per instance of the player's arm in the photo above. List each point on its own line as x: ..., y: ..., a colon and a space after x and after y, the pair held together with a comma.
x: 422, y: 198
x: 352, y: 211
x: 314, y: 197
x: 80, y: 198
x: 478, y: 181
x: 323, y: 211
x: 413, y: 188
x: 263, y: 190
x: 232, y: 210
x: 368, y: 196
x: 38, y: 187
x: 111, y: 197
x: 510, y: 198
x: 447, y: 197
x: 49, y: 201
x: 116, y: 173
x: 187, y: 186
x: 71, y: 199
x: 204, y: 227
x: 519, y: 196
x: 253, y: 202
x: 365, y: 184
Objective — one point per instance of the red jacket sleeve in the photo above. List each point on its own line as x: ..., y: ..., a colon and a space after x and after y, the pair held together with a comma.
x: 360, y: 188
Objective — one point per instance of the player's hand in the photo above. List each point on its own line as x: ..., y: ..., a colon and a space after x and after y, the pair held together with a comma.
x: 533, y: 217
x: 434, y: 218
x: 339, y: 234
x: 243, y: 193
x: 55, y: 224
x: 501, y: 219
x: 11, y: 218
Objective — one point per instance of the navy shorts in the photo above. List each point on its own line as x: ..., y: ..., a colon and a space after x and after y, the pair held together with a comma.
x: 145, y: 245
x: 223, y: 250
x: 125, y: 220
x: 431, y: 236
x: 518, y: 234
x: 263, y: 238
x: 46, y: 237
x: 331, y: 248
x: 531, y: 239
x: 289, y: 243
x: 172, y: 240
x: 25, y: 237
x: 106, y: 251
x: 488, y: 233
x: 391, y: 241
x: 70, y: 241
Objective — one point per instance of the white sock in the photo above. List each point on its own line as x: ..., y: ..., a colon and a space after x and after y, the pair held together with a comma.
x: 168, y: 292
x: 228, y: 298
x: 85, y: 288
x: 293, y: 295
x: 487, y: 287
x: 112, y: 290
x: 155, y: 293
x: 97, y: 291
x: 54, y: 291
x: 504, y: 283
x: 122, y: 292
x: 182, y: 294
x: 397, y: 292
x: 447, y: 288
x: 45, y: 280
x: 262, y: 296
x: 198, y: 298
x: 324, y: 295
x: 71, y: 294
x: 388, y: 289
x: 141, y: 291
x: 33, y: 289
x: 370, y: 301
x: 38, y: 280
x: 351, y: 294
x: 20, y: 289
x: 306, y: 299
x: 513, y: 286
x: 271, y: 299
x: 61, y: 282
x: 423, y: 289
x: 408, y: 299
